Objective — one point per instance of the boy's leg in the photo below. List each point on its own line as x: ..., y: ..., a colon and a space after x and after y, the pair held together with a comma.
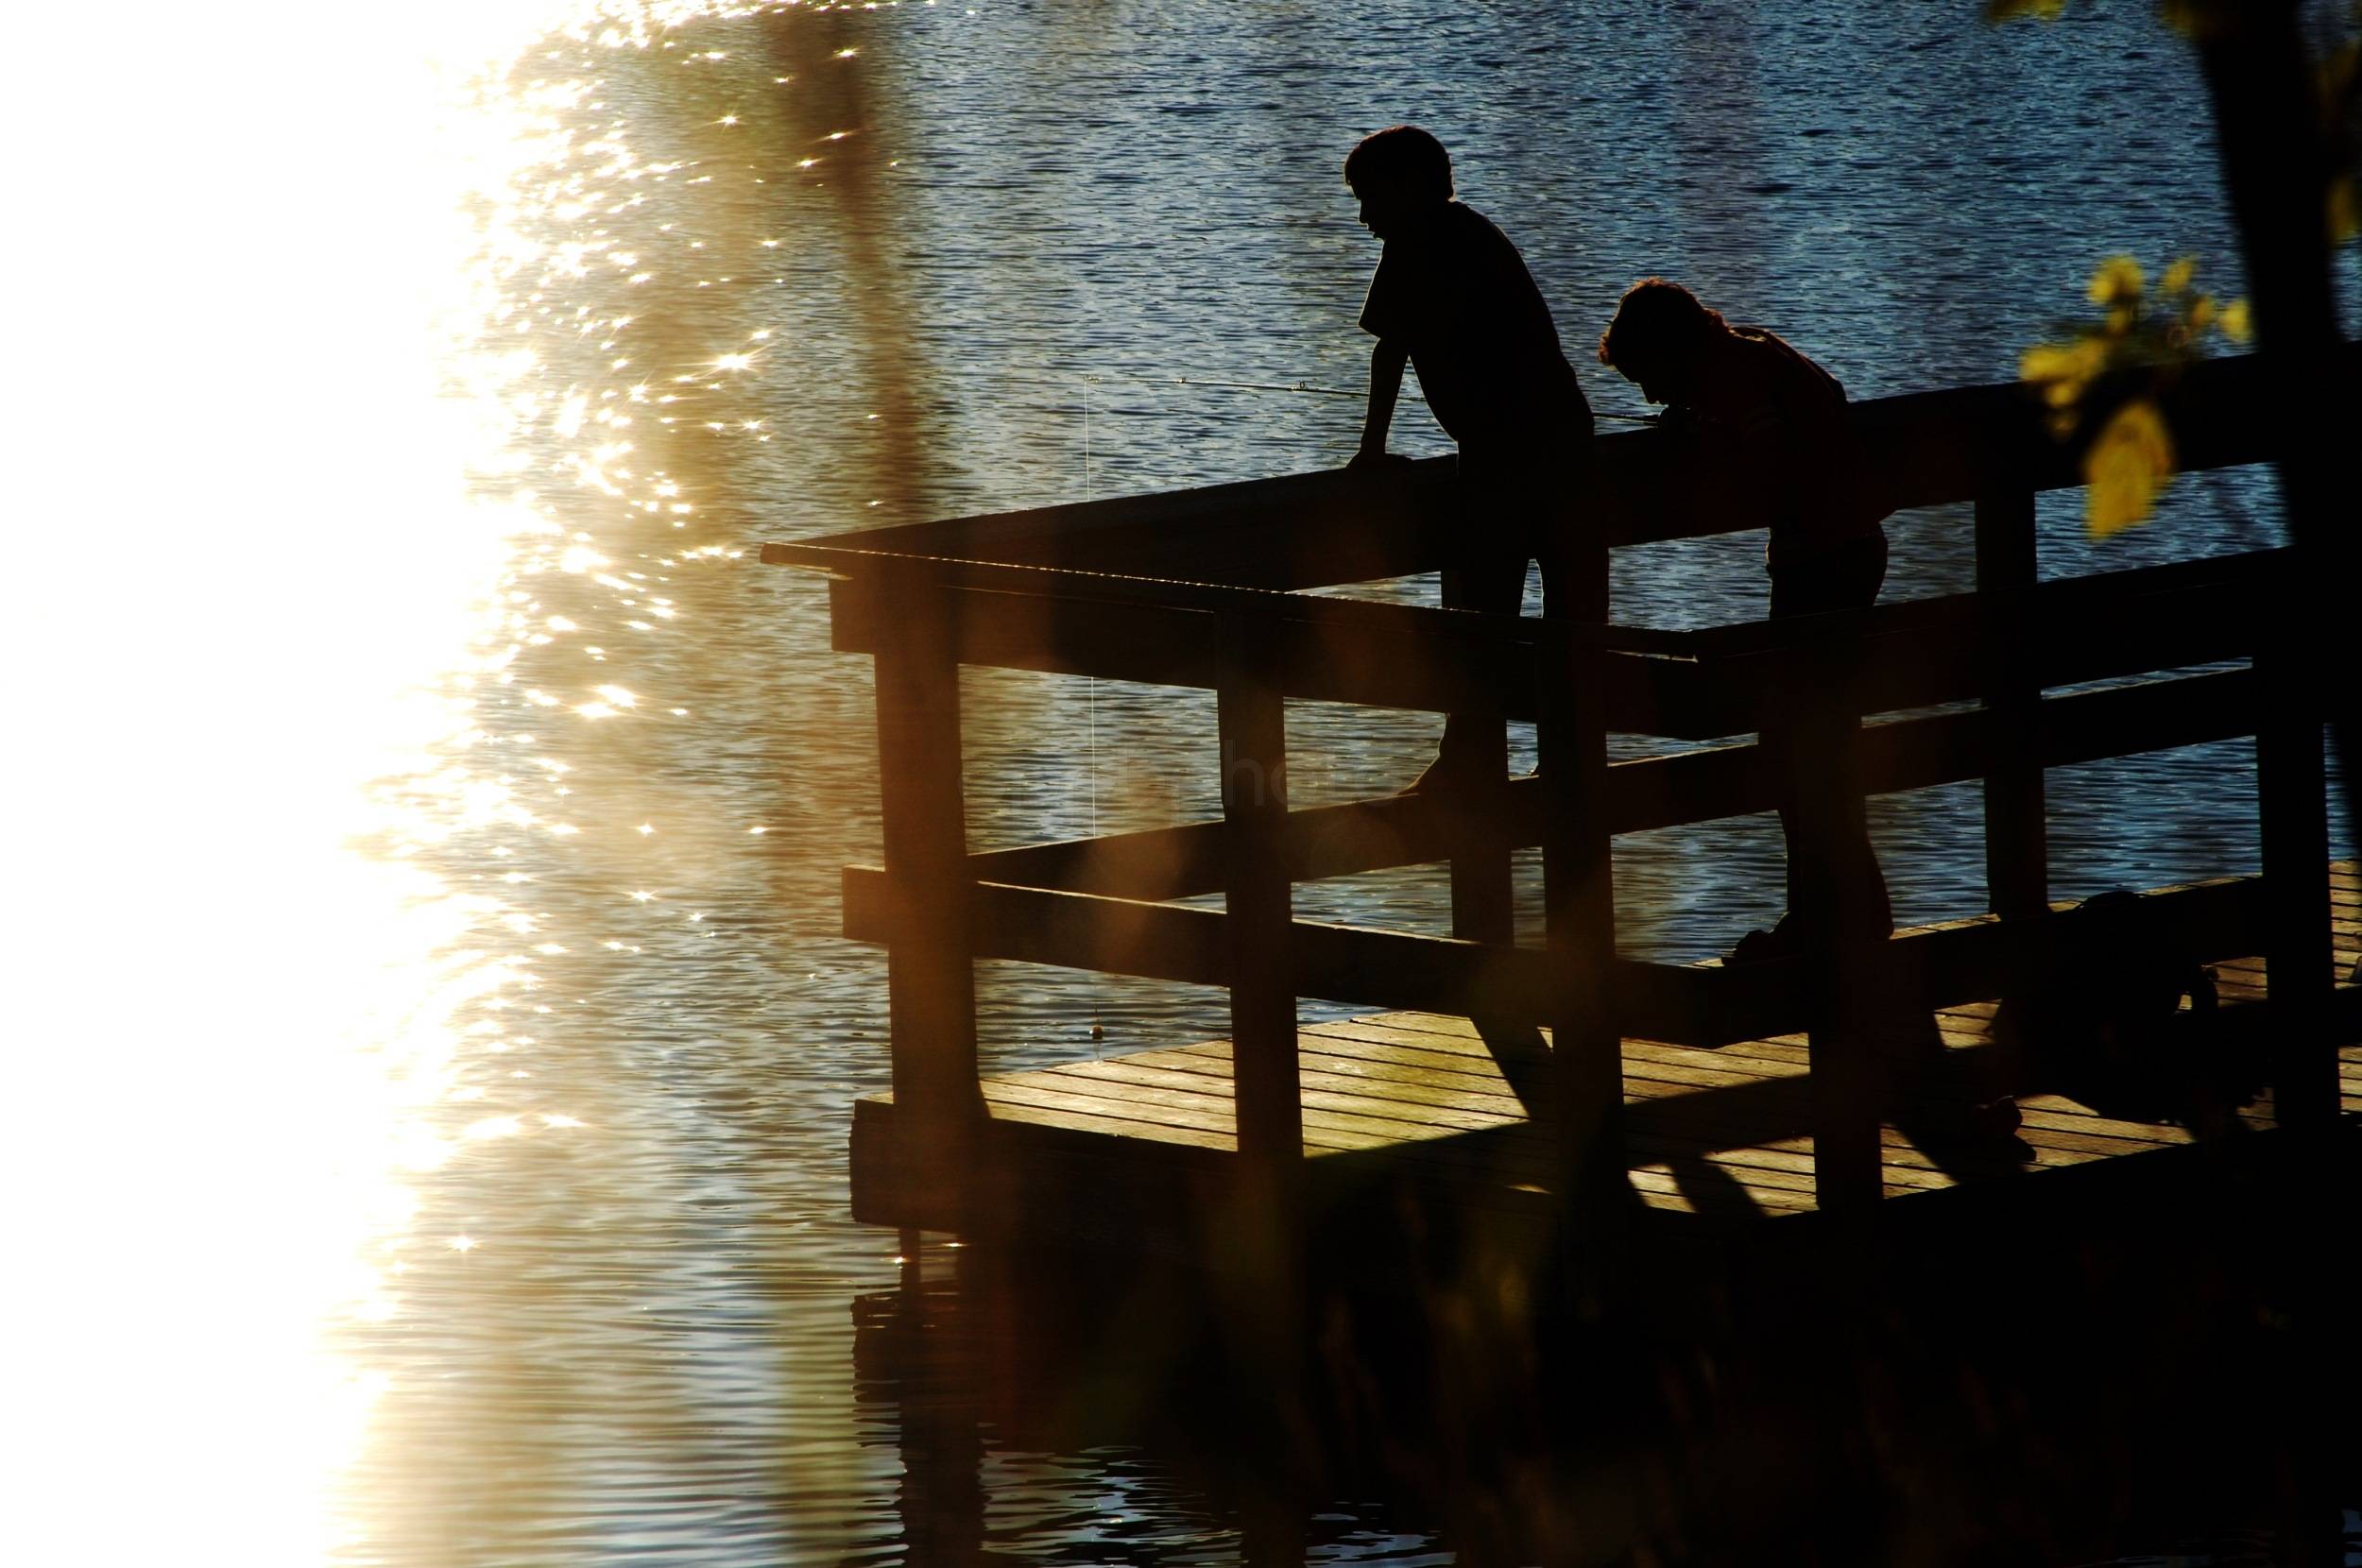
x: 1473, y: 747
x: 1515, y: 512
x: 1489, y: 576
x: 1491, y: 579
x: 1574, y: 562
x: 1834, y: 880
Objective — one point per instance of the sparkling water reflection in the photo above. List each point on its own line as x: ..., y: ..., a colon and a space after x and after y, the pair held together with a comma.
x: 751, y: 273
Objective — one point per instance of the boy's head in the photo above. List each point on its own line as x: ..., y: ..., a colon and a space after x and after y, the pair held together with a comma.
x: 1659, y: 333
x: 1398, y: 173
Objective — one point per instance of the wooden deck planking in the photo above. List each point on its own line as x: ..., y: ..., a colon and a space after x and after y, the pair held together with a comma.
x: 1712, y: 1133
x: 1381, y: 1097
x: 1387, y: 1102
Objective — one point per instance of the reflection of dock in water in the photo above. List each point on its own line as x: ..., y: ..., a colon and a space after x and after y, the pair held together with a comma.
x: 2091, y: 1380
x: 1595, y: 1100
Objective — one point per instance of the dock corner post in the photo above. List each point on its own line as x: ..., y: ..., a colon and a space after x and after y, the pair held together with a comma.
x: 2017, y: 852
x: 2292, y: 803
x: 931, y: 976
x: 1252, y: 719
x: 1850, y: 1008
x: 1483, y: 904
x: 1852, y: 992
x: 1579, y: 893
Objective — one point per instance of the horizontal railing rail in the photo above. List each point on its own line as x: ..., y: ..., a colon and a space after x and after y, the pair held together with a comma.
x: 1694, y: 685
x: 1705, y: 1006
x: 1642, y: 795
x: 1328, y: 528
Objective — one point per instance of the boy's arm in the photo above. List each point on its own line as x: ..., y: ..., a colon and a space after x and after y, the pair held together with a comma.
x: 1386, y: 363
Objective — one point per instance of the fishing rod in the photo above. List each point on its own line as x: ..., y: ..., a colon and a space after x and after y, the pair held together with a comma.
x: 1298, y: 388
x: 1348, y: 392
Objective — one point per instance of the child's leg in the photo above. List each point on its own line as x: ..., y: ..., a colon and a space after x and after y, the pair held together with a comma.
x: 1834, y: 880
x: 1489, y: 576
x: 1503, y: 503
x: 1515, y: 513
x: 1560, y: 534
x: 1473, y: 747
x: 1845, y: 578
x: 1490, y: 579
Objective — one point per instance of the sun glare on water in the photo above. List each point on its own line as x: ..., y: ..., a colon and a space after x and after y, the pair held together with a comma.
x: 264, y: 584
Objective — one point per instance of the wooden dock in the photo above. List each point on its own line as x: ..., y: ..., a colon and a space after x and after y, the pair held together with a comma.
x: 1567, y: 1083
x: 1416, y: 1102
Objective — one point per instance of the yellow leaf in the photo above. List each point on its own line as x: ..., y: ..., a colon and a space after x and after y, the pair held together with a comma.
x: 2062, y: 369
x: 2236, y: 324
x: 2048, y: 362
x: 2117, y: 278
x: 2202, y: 313
x: 2178, y: 276
x: 2345, y: 220
x: 2126, y: 468
x: 2002, y: 10
x: 2200, y: 19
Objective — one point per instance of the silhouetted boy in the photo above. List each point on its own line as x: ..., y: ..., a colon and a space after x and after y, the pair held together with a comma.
x: 1758, y: 407
x: 1453, y: 298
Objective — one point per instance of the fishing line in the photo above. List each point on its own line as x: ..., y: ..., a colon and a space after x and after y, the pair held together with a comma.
x: 1299, y: 388
x: 1094, y: 679
x: 1099, y: 1030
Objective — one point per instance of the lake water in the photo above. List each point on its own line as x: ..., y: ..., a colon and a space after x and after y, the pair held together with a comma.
x: 728, y: 276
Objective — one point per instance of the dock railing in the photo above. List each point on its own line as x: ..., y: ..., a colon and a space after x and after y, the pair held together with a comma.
x: 1193, y: 589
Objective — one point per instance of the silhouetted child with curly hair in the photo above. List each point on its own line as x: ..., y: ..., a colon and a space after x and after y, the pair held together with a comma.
x: 1777, y: 424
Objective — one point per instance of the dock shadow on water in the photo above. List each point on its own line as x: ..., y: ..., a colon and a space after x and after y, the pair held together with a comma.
x: 2082, y: 1382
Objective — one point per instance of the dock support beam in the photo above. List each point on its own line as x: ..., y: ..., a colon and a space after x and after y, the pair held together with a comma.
x: 1263, y: 1240
x: 1483, y: 897
x: 1849, y: 1007
x: 1257, y: 897
x: 2292, y: 801
x: 1852, y: 1013
x: 2017, y: 850
x: 1579, y: 891
x: 931, y: 976
x: 1483, y: 904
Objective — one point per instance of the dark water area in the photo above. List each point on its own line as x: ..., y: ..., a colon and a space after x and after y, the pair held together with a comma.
x: 771, y: 273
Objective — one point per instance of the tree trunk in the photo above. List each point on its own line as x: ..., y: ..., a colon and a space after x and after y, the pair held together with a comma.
x: 2276, y: 162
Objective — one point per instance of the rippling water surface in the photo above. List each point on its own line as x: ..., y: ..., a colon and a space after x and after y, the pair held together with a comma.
x: 741, y: 274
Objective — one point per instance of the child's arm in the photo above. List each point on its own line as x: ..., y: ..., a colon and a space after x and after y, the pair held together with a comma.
x: 1386, y: 363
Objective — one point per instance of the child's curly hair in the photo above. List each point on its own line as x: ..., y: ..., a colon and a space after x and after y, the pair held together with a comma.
x: 1655, y: 322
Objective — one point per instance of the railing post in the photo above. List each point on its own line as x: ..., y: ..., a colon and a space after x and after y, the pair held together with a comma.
x: 1848, y: 999
x: 2017, y: 850
x: 1847, y: 1077
x: 930, y: 977
x: 2292, y: 805
x: 1257, y: 897
x: 1483, y: 904
x: 1579, y: 890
